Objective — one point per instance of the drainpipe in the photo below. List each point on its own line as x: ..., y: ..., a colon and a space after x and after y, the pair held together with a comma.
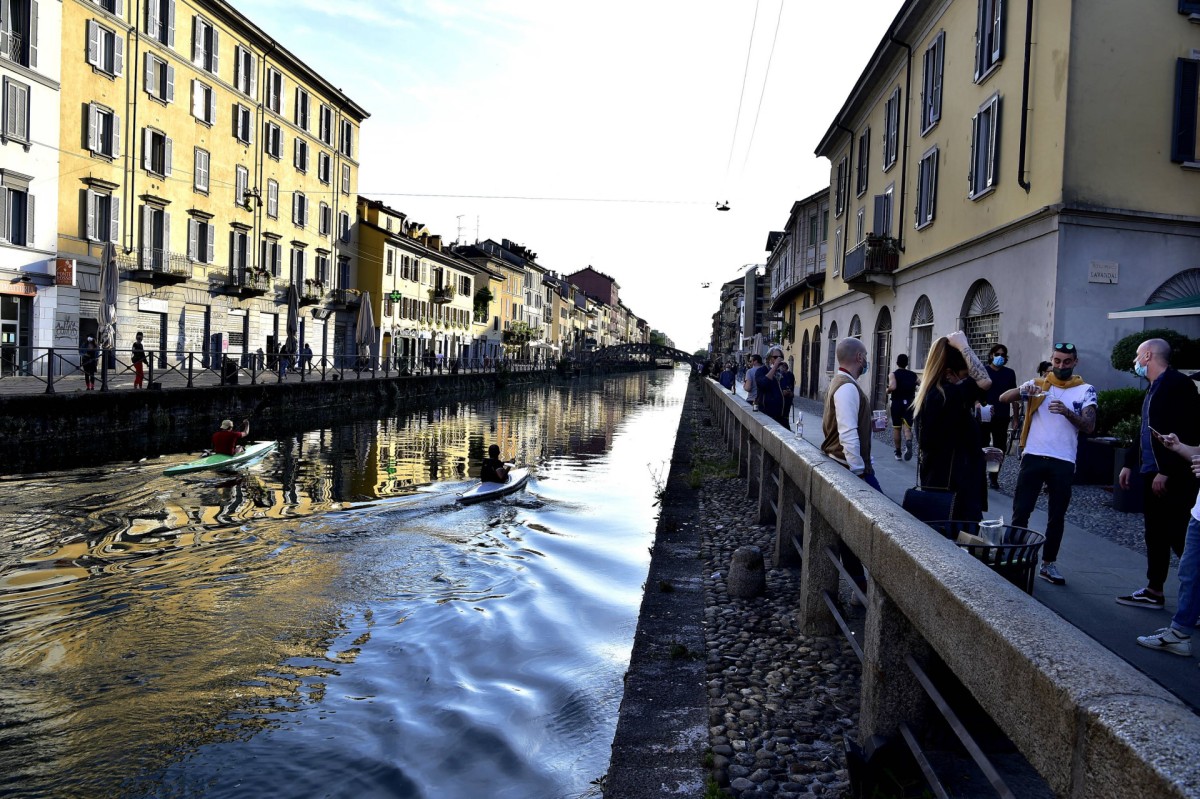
x: 260, y: 187
x: 1021, y: 181
x: 131, y: 86
x: 904, y: 147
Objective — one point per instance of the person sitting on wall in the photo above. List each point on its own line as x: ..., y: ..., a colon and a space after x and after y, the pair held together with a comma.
x: 493, y: 469
x: 227, y: 441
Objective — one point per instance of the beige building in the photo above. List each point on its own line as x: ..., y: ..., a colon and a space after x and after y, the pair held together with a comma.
x: 983, y: 176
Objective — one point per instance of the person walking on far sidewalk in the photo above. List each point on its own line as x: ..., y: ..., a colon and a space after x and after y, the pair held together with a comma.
x: 997, y: 414
x: 1060, y: 407
x: 138, y: 357
x: 902, y: 388
x: 1176, y: 638
x: 1168, y: 486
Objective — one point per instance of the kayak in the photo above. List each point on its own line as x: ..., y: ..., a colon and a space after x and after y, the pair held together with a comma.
x: 517, y: 478
x: 252, y: 451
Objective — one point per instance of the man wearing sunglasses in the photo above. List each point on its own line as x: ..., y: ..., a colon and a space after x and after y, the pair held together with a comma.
x: 1060, y: 407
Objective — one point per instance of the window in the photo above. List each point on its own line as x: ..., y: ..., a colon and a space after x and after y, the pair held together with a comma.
x: 239, y: 252
x: 200, y: 170
x: 883, y: 213
x: 989, y: 37
x: 302, y: 103
x: 272, y: 199
x: 300, y: 156
x: 272, y: 256
x: 931, y: 85
x: 324, y: 219
x: 104, y: 131
x: 922, y: 333
x: 15, y: 111
x: 825, y: 223
x: 156, y: 237
x: 324, y: 166
x: 243, y: 129
x: 245, y: 71
x: 204, y: 45
x: 837, y: 252
x: 1187, y: 101
x: 159, y: 79
x: 831, y: 357
x: 299, y: 209
x: 391, y: 262
x: 156, y: 152
x: 322, y: 267
x: 325, y: 125
x: 298, y: 266
x: 891, y: 130
x: 981, y: 319
x: 346, y: 142
x: 864, y: 149
x: 105, y: 50
x: 102, y: 217
x: 201, y: 241
x: 985, y: 154
x: 274, y: 92
x: 160, y: 21
x: 344, y: 226
x: 927, y: 187
x: 343, y: 274
x: 204, y: 103
x: 16, y: 212
x: 860, y: 219
x: 345, y: 178
x: 839, y: 202
x: 241, y: 184
x: 272, y: 140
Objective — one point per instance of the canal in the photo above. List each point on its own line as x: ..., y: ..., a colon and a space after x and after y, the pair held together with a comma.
x: 328, y: 621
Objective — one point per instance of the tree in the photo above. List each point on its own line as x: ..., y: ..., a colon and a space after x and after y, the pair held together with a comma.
x: 661, y: 339
x: 701, y: 355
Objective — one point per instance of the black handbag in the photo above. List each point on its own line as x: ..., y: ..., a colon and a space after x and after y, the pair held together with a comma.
x: 929, y: 504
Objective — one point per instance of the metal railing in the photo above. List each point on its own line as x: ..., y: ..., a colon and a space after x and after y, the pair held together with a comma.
x: 155, y: 260
x: 12, y: 46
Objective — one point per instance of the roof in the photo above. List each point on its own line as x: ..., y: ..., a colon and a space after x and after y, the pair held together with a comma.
x: 1185, y: 306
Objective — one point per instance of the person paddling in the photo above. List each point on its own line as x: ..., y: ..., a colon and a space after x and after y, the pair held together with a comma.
x: 227, y: 441
x: 493, y: 469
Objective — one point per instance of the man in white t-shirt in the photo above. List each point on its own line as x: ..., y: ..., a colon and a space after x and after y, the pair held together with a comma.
x: 1060, y: 407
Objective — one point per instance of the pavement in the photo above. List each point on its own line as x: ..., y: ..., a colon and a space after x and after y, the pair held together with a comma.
x: 1097, y: 570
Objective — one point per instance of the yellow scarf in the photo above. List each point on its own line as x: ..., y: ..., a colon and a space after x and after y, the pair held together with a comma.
x: 1035, y: 402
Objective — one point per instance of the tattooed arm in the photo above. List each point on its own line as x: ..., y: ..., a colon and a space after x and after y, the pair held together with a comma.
x: 975, y: 368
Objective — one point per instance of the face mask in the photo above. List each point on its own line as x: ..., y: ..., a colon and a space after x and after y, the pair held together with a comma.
x: 1064, y: 374
x: 998, y: 360
x: 1140, y: 369
x: 866, y: 368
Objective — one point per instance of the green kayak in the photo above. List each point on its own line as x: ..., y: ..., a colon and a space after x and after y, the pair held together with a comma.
x: 216, y: 462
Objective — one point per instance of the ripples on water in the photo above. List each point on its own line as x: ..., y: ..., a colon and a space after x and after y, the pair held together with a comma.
x: 329, y: 622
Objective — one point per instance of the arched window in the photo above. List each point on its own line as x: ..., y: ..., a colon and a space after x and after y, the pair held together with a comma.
x: 883, y: 357
x: 855, y: 327
x: 922, y: 333
x: 831, y: 359
x: 981, y: 317
x: 1178, y: 287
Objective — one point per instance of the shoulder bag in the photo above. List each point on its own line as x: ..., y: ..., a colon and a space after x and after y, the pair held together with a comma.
x: 927, y: 503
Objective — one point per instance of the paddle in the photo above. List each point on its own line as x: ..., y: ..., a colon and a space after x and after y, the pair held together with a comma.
x: 262, y: 403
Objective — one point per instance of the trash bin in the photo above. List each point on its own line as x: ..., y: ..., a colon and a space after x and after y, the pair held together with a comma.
x: 1010, y: 551
x: 229, y: 371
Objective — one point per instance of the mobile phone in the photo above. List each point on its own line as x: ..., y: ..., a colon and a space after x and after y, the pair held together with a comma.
x: 1155, y: 433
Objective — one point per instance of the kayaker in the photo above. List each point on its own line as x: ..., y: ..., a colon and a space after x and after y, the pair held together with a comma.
x: 493, y: 469
x: 226, y: 441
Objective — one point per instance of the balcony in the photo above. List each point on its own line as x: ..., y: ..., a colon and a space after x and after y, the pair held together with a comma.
x: 247, y: 283
x: 871, y: 263
x: 441, y: 295
x: 312, y: 293
x: 344, y: 299
x: 12, y: 47
x: 157, y: 266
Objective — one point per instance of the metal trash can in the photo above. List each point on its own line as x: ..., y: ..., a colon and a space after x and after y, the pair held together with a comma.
x: 1010, y: 551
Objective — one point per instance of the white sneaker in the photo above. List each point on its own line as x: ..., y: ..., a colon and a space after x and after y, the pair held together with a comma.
x: 1168, y: 639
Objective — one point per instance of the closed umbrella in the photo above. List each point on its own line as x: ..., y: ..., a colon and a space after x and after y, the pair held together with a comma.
x: 107, y: 335
x: 364, y: 329
x: 293, y: 310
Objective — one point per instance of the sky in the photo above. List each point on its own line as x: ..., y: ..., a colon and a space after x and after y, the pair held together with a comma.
x: 596, y: 134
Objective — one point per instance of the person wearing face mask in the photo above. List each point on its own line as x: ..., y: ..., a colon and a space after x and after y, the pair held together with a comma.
x: 948, y: 435
x: 1168, y: 486
x: 770, y: 391
x: 1060, y: 407
x: 995, y: 428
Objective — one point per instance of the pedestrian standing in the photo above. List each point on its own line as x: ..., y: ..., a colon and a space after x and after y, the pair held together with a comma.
x: 750, y: 384
x: 90, y: 357
x: 308, y: 356
x: 770, y: 392
x: 1059, y: 407
x: 902, y: 388
x: 997, y: 415
x: 787, y: 384
x: 727, y: 378
x: 1168, y: 487
x: 138, y: 357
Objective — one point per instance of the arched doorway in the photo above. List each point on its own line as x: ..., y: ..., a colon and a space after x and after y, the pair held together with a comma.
x: 981, y: 317
x: 814, y: 380
x: 883, y: 357
x: 804, y: 366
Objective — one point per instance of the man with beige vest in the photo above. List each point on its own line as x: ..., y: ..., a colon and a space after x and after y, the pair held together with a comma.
x: 847, y: 420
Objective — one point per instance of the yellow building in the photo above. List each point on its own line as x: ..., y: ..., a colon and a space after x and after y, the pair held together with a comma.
x: 222, y: 166
x: 984, y: 176
x: 506, y: 303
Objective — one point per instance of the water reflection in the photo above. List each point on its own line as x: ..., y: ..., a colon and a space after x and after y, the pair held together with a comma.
x: 328, y: 618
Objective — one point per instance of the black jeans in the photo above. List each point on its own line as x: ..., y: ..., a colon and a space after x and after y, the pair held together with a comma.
x: 1167, y: 520
x: 995, y: 432
x: 1056, y: 475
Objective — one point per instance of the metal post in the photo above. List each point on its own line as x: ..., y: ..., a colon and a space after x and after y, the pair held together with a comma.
x: 50, y: 372
x: 103, y: 370
x: 191, y: 365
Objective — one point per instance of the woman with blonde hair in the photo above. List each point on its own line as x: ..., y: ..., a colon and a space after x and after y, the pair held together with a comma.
x: 948, y: 434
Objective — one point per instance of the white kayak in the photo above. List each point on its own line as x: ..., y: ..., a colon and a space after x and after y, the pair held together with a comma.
x: 254, y: 450
x: 517, y: 478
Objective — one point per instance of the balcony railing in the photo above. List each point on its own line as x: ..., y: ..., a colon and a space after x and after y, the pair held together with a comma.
x: 442, y: 295
x: 244, y: 283
x: 878, y: 255
x: 155, y: 264
x: 12, y: 46
x: 312, y: 294
x: 345, y: 298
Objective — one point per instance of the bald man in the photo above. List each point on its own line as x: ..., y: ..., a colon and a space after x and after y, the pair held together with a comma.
x: 1166, y: 481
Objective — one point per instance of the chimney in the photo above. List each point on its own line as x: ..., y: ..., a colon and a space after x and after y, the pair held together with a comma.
x: 435, y: 243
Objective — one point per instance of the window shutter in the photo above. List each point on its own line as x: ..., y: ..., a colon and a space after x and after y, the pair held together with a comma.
x: 118, y: 55
x: 1183, y: 127
x: 979, y: 45
x: 253, y: 67
x: 151, y: 77
x: 170, y: 23
x: 93, y: 136
x: 166, y: 157
x: 238, y: 56
x: 23, y: 111
x: 211, y: 102
x: 170, y: 83
x: 237, y: 122
x: 282, y: 97
x: 304, y: 204
x: 147, y: 236
x: 90, y: 216
x: 116, y: 135
x: 998, y: 23
x: 940, y: 61
x: 152, y: 22
x: 216, y: 39
x: 166, y: 241
x: 93, y: 43
x: 296, y: 154
x: 114, y: 233
x: 197, y: 41
x: 192, y: 237
x: 212, y: 243
x: 33, y: 33
x: 119, y: 8
x: 196, y: 98
x: 931, y: 205
x: 278, y: 259
x: 147, y: 150
x: 29, y: 228
x: 994, y: 152
x: 3, y: 214
x: 879, y: 223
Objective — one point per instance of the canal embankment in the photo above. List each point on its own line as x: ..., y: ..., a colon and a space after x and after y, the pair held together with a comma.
x: 725, y: 694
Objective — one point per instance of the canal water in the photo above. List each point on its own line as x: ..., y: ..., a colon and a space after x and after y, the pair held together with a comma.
x: 328, y: 622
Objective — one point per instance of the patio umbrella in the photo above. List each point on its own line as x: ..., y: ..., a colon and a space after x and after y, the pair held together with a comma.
x: 364, y: 329
x: 293, y: 310
x: 107, y: 335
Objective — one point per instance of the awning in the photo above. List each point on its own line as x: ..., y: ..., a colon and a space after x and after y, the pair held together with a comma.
x: 1185, y: 306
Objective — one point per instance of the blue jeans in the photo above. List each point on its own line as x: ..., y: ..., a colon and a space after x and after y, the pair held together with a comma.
x: 1189, y: 582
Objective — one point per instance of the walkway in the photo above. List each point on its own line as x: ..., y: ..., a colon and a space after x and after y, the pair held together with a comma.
x: 1097, y: 571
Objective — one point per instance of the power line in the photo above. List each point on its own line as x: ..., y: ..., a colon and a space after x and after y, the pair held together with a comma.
x: 745, y: 72
x: 766, y: 77
x: 531, y: 198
